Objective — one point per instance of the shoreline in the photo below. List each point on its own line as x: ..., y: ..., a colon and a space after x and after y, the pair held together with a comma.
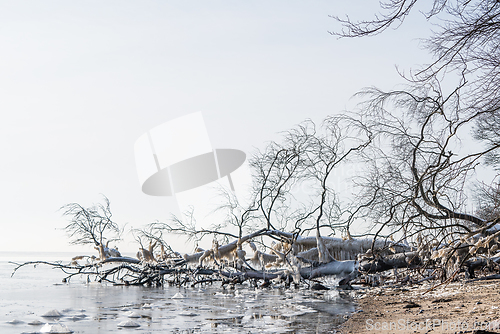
x: 458, y: 307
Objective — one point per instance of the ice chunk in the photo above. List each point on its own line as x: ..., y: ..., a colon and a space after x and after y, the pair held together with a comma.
x: 178, y: 295
x: 133, y: 314
x: 52, y: 314
x: 15, y: 322
x: 55, y: 328
x: 129, y: 324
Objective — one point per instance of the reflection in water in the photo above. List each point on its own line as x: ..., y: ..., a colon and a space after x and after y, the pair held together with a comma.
x: 96, y: 308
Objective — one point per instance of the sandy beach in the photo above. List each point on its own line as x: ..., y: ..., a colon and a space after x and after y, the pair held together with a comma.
x: 459, y: 307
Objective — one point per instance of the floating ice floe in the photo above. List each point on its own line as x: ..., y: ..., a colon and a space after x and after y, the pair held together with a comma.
x: 52, y: 314
x: 297, y: 313
x: 55, y: 328
x: 15, y: 322
x: 178, y: 295
x: 221, y: 295
x: 133, y: 314
x: 147, y: 306
x: 35, y: 323
x: 128, y: 324
x: 278, y: 330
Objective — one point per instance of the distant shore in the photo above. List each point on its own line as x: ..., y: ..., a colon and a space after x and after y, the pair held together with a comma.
x: 456, y: 308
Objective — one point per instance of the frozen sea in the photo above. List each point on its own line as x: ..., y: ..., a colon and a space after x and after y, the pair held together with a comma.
x: 98, y: 308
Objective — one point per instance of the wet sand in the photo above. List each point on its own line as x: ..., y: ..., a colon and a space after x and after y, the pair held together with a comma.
x: 456, y: 308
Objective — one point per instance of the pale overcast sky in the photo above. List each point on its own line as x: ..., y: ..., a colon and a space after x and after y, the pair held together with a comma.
x: 81, y: 81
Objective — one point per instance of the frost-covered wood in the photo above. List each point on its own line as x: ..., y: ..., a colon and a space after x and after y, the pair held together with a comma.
x: 338, y: 248
x: 336, y: 268
x: 400, y: 260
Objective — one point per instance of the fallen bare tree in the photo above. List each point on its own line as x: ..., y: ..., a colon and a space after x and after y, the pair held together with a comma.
x: 294, y: 259
x: 221, y: 263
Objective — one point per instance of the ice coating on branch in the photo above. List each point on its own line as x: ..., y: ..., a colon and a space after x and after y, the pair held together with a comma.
x: 323, y: 253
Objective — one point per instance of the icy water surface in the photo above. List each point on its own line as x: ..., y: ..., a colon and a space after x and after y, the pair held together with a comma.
x: 95, y: 308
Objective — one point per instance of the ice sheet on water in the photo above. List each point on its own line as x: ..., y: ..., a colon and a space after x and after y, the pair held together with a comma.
x: 259, y: 310
x: 298, y: 311
x: 232, y: 317
x: 188, y: 314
